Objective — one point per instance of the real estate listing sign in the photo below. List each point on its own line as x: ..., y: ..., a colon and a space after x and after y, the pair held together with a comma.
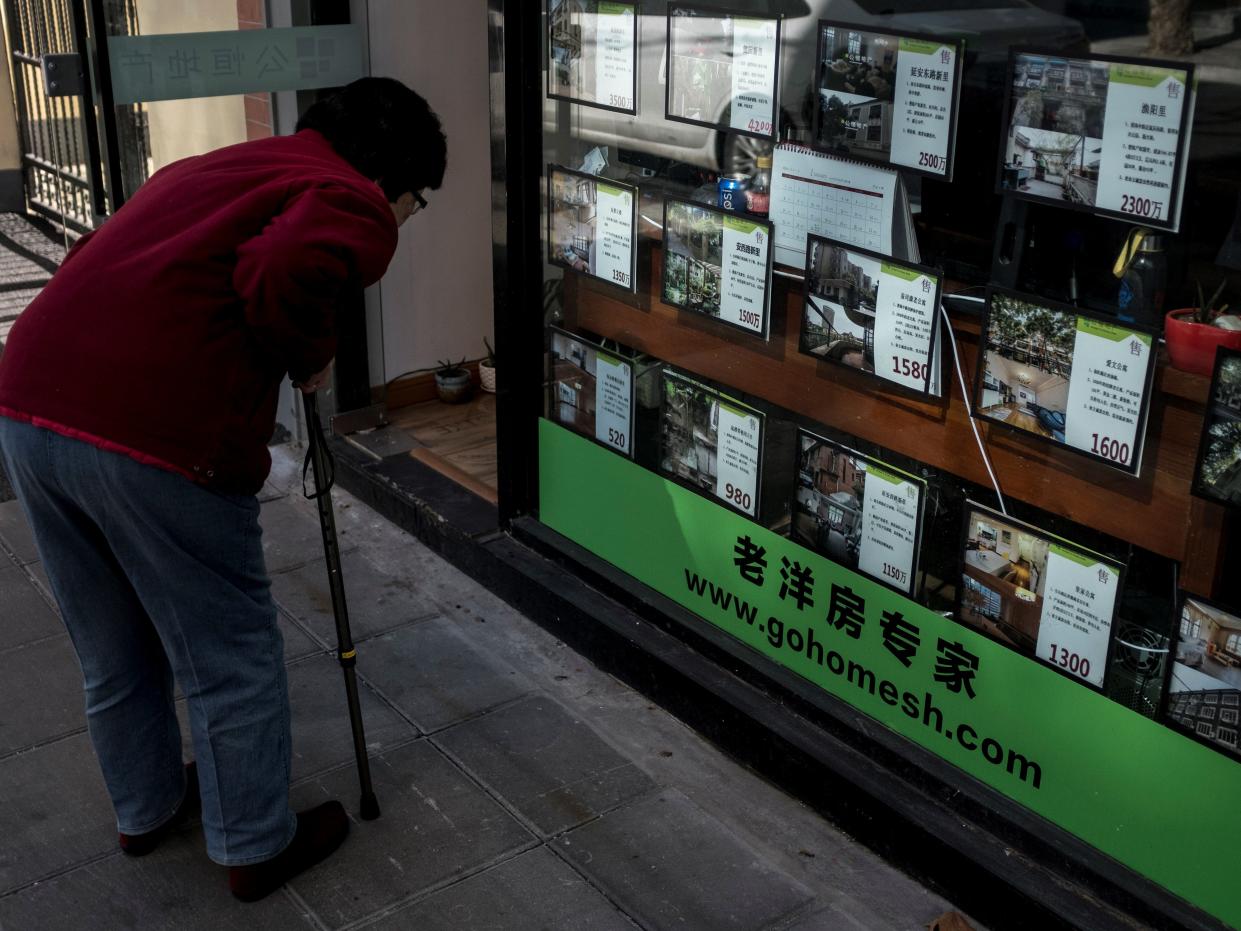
x: 1051, y: 371
x: 718, y: 263
x: 1217, y: 474
x: 1072, y: 756
x: 1038, y: 594
x: 592, y: 225
x: 592, y: 53
x: 723, y: 70
x: 1203, y: 698
x: 711, y: 442
x: 870, y: 313
x: 1104, y: 134
x: 857, y: 511
x: 591, y: 391
x: 887, y: 98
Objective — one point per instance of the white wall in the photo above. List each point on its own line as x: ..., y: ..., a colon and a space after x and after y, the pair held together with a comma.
x: 436, y: 297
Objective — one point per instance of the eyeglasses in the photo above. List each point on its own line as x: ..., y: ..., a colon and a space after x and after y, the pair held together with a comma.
x: 420, y: 203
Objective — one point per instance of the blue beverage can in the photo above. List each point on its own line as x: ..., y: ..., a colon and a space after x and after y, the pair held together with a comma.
x: 732, y: 192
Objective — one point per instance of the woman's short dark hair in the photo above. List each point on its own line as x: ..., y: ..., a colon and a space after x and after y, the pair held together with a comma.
x: 384, y: 130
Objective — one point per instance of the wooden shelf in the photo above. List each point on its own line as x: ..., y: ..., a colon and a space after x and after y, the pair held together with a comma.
x: 1154, y: 511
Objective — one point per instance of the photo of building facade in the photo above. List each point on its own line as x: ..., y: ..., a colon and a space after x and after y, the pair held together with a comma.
x: 1204, y: 691
x: 700, y: 79
x: 693, y: 257
x: 838, y: 318
x: 689, y: 433
x: 830, y: 497
x: 571, y: 62
x: 1055, y: 131
x: 856, y: 88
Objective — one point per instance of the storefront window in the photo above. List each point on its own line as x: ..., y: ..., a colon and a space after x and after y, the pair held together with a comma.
x: 882, y: 294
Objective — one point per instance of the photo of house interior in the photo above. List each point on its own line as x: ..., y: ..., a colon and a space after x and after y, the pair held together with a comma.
x: 689, y: 433
x: 572, y: 398
x: 1219, y: 471
x: 693, y: 256
x: 700, y: 81
x: 1003, y: 574
x: 1055, y: 129
x: 856, y: 90
x: 830, y: 495
x: 1204, y: 691
x: 1029, y: 360
x: 838, y: 319
x: 574, y: 216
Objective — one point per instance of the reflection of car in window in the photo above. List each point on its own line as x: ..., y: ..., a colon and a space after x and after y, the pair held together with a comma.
x: 991, y: 25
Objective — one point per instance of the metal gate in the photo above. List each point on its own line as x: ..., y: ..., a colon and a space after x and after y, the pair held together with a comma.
x: 60, y: 135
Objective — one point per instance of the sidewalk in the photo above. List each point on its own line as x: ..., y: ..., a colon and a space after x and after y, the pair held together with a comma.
x: 521, y: 787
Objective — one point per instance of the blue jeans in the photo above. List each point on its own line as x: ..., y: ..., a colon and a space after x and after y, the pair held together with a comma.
x: 158, y: 577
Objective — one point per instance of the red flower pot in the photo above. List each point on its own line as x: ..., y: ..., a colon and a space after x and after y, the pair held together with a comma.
x: 1192, y: 345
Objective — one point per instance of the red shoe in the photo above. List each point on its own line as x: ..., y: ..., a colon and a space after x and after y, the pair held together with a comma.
x: 319, y: 832
x: 139, y: 845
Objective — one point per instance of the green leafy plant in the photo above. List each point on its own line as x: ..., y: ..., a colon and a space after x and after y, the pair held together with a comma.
x: 449, y: 369
x: 490, y: 359
x: 1206, y: 312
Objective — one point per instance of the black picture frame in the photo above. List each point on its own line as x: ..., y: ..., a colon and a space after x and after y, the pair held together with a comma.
x: 957, y: 43
x: 552, y: 401
x: 674, y: 9
x: 933, y: 360
x: 765, y: 332
x: 973, y: 507
x: 1135, y: 467
x: 803, y: 432
x: 1167, y: 702
x: 1172, y: 218
x: 721, y: 396
x: 552, y: 259
x: 632, y: 111
x: 1215, y: 415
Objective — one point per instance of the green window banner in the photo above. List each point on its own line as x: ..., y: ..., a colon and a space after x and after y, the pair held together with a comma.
x: 1136, y: 790
x: 176, y: 66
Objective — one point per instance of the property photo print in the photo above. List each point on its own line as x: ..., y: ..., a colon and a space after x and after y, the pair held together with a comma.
x: 1054, y: 139
x: 693, y: 257
x: 573, y: 48
x: 838, y: 319
x: 706, y: 68
x: 1027, y: 364
x: 1204, y: 689
x: 1219, y: 463
x: 1002, y: 580
x: 573, y: 394
x: 689, y: 433
x: 855, y: 92
x: 831, y: 493
x: 574, y: 221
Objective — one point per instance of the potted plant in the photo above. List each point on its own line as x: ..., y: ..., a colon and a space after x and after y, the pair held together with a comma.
x: 452, y: 381
x: 1194, y: 333
x: 487, y: 368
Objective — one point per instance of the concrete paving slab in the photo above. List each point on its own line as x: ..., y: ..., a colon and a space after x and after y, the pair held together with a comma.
x: 322, y: 737
x: 297, y: 643
x: 176, y: 888
x: 436, y: 826
x: 435, y: 676
x: 671, y: 865
x: 27, y: 615
x: 545, y: 762
x: 500, y: 899
x: 42, y: 682
x: 291, y: 535
x: 39, y: 572
x: 56, y: 812
x: 15, y: 536
x: 377, y: 601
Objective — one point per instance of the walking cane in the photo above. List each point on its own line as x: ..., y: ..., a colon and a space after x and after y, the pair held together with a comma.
x: 320, y: 459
